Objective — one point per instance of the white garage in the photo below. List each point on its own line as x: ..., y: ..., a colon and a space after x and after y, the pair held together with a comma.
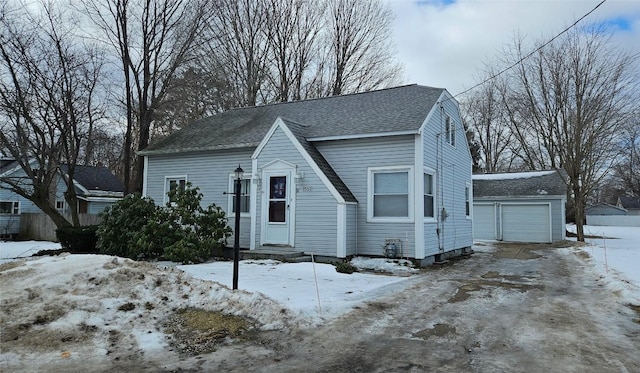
x: 519, y: 207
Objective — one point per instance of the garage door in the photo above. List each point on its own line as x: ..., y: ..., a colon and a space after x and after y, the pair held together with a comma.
x: 526, y: 223
x: 484, y: 222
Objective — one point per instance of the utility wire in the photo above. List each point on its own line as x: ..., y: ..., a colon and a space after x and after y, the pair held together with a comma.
x: 532, y: 53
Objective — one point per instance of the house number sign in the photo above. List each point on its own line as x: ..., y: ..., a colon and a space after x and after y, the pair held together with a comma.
x: 307, y: 189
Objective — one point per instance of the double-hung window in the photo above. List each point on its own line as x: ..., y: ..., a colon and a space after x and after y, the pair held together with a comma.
x: 9, y: 207
x: 467, y: 200
x: 173, y: 183
x: 245, y: 195
x: 429, y: 195
x: 390, y: 194
x: 450, y: 131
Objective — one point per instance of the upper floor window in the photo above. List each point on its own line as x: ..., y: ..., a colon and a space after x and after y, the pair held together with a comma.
x: 9, y: 207
x: 173, y: 183
x: 450, y: 131
x: 60, y: 204
x: 245, y: 194
x: 389, y: 194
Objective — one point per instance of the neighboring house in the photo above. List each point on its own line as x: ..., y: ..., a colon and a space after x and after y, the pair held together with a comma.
x: 338, y: 176
x: 605, y: 209
x: 631, y: 204
x: 519, y: 207
x: 96, y: 188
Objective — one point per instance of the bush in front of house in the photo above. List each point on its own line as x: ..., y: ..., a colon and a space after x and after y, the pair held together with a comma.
x: 197, y: 232
x: 131, y: 228
x: 182, y: 231
x: 78, y: 240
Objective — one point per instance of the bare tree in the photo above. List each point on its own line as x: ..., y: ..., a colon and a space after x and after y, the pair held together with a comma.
x: 48, y: 87
x: 626, y: 172
x: 153, y: 39
x: 238, y: 48
x: 486, y: 117
x: 360, y: 53
x: 566, y: 104
x: 293, y: 27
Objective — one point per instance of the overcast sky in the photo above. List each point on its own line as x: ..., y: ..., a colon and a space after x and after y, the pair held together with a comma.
x: 443, y: 43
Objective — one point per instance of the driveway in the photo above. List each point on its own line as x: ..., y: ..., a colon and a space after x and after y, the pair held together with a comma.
x: 520, y: 308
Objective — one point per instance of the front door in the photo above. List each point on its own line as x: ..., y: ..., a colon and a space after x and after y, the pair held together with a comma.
x: 277, y: 214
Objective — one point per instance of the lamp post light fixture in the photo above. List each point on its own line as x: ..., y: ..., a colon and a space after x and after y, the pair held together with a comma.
x: 237, y: 190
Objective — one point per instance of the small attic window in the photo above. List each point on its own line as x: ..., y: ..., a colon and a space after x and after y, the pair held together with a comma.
x: 450, y: 131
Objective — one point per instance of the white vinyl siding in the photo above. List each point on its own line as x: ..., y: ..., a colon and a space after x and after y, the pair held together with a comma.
x: 206, y: 170
x: 316, y: 217
x: 351, y: 159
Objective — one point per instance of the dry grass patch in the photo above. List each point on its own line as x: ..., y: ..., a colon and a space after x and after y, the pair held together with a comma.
x: 196, y: 331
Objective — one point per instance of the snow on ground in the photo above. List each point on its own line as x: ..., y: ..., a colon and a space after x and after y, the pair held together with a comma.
x: 511, y: 175
x: 21, y: 249
x: 314, y: 291
x: 616, y: 257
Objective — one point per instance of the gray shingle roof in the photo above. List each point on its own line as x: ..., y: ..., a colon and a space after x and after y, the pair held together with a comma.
x: 538, y: 183
x: 298, y: 131
x: 389, y: 110
x: 96, y: 178
x: 629, y: 202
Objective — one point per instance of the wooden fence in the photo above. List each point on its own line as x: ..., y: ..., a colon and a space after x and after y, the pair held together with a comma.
x: 41, y: 227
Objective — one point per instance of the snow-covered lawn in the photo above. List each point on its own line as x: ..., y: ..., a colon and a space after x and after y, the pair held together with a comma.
x: 315, y: 291
x: 615, y: 257
x: 21, y: 249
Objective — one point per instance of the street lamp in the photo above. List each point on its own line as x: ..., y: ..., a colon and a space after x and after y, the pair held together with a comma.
x: 236, y: 238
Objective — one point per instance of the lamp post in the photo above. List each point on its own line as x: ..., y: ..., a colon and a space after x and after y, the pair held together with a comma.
x: 237, y: 190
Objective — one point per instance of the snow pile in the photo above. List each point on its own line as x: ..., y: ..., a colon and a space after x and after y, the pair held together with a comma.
x: 394, y: 266
x: 100, y: 305
x: 615, y: 258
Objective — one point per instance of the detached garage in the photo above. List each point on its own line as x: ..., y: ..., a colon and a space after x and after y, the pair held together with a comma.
x: 519, y: 207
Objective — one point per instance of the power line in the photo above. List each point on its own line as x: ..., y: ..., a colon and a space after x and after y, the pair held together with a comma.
x: 532, y: 53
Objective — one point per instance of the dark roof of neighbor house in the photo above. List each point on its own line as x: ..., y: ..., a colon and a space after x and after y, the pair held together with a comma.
x: 388, y: 110
x: 325, y: 167
x: 629, y: 202
x: 96, y: 178
x: 534, y: 183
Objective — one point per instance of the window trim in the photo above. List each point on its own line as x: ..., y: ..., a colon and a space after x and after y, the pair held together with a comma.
x: 230, y: 196
x: 432, y: 172
x: 167, y: 181
x: 62, y: 203
x: 468, y: 201
x: 371, y: 171
x: 15, y: 208
x: 450, y: 130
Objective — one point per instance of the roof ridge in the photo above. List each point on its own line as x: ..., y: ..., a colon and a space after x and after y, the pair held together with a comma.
x: 329, y: 97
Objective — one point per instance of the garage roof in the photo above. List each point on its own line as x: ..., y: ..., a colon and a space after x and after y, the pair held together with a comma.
x: 520, y: 184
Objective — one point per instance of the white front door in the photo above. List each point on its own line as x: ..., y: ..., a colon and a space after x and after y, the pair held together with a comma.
x: 278, y: 205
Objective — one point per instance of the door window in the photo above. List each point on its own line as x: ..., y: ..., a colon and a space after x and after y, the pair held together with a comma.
x: 277, y: 199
